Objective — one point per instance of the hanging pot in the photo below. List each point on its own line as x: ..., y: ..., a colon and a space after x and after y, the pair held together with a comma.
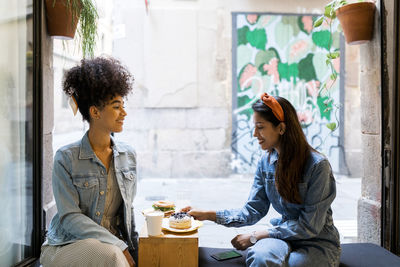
x: 357, y: 21
x: 60, y: 22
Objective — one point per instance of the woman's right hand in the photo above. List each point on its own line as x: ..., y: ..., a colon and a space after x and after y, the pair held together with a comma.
x: 200, y: 215
x: 129, y: 258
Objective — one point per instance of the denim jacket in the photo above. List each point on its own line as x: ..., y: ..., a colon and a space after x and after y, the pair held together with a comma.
x: 310, y: 220
x: 79, y: 185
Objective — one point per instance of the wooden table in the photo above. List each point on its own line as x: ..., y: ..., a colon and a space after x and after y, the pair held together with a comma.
x: 169, y: 250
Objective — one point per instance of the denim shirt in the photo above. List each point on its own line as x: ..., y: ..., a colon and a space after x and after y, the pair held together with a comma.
x: 312, y: 219
x: 79, y: 185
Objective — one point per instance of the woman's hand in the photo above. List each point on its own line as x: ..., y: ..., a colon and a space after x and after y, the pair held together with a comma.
x: 200, y: 215
x: 129, y: 258
x: 241, y: 242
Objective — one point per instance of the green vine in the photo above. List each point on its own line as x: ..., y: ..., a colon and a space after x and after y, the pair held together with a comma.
x: 329, y: 17
x: 86, y: 12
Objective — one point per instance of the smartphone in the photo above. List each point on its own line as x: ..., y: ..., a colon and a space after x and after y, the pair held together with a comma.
x: 226, y: 255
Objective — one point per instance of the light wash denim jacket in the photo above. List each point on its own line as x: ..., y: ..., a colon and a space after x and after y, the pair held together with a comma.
x: 311, y: 220
x: 79, y: 177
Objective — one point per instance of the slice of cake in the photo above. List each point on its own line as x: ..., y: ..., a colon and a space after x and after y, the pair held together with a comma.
x: 180, y: 220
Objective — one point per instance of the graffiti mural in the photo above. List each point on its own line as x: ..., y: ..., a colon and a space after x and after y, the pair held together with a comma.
x: 282, y: 55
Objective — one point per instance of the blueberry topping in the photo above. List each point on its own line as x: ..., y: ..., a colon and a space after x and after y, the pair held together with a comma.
x: 180, y: 215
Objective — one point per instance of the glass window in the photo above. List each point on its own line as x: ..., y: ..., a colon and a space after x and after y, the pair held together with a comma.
x: 16, y: 82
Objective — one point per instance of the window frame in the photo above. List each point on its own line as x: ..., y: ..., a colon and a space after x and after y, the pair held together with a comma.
x: 38, y: 231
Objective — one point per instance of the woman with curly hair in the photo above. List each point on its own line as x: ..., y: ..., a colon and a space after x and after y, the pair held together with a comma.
x: 94, y: 179
x: 298, y: 182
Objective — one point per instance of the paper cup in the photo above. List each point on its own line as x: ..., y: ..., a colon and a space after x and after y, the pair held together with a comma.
x: 154, y: 223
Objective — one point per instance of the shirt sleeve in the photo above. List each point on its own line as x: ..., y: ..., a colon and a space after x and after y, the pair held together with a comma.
x: 67, y: 200
x: 255, y: 208
x: 320, y: 194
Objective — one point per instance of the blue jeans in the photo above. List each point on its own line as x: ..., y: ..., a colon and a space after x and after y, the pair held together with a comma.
x: 273, y: 252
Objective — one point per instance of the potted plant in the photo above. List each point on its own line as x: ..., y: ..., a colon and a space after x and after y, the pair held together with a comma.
x: 62, y: 19
x: 357, y: 22
x: 356, y: 19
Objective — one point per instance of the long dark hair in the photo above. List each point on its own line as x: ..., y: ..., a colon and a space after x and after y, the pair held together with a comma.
x: 294, y: 149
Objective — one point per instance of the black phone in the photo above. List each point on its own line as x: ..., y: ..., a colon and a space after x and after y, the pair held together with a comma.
x: 226, y: 255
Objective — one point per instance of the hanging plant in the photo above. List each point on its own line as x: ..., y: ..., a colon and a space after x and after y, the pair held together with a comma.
x: 63, y: 17
x: 356, y: 20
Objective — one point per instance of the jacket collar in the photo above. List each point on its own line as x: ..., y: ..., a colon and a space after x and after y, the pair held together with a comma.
x: 273, y: 156
x: 86, y: 151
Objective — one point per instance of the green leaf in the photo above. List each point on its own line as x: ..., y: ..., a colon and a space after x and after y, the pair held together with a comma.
x: 331, y: 126
x: 333, y: 76
x: 333, y: 55
x: 328, y: 61
x: 330, y: 12
x: 327, y: 12
x: 318, y: 22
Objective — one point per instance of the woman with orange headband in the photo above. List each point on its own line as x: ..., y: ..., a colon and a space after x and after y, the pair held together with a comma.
x: 298, y: 182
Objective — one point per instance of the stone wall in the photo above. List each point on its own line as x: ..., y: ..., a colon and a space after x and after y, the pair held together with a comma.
x: 352, y: 112
x: 180, y: 52
x: 369, y: 205
x: 48, y: 122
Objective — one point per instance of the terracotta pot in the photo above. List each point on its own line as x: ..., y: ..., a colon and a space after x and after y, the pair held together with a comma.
x: 357, y: 21
x: 59, y: 19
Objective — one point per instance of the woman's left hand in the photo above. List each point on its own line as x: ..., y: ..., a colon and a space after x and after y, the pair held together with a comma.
x: 242, y: 241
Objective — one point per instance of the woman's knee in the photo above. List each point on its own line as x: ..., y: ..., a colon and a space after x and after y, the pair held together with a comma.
x: 111, y: 255
x: 268, y: 252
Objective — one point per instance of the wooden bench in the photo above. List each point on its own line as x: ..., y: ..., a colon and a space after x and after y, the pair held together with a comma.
x: 353, y: 255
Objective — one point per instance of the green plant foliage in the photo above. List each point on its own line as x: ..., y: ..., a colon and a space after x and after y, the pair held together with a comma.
x: 88, y: 27
x: 331, y: 126
x: 86, y: 12
x: 325, y: 38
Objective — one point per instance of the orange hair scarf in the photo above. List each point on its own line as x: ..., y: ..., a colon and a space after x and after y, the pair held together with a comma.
x: 273, y: 104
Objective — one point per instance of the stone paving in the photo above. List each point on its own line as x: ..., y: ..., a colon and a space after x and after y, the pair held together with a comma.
x: 232, y: 192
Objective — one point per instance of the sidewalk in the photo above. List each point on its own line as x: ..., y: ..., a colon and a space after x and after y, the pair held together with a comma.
x: 225, y: 193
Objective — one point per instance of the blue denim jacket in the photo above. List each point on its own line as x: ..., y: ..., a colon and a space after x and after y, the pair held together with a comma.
x: 78, y: 178
x: 311, y: 220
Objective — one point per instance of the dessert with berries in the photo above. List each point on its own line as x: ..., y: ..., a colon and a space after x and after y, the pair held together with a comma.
x: 180, y: 220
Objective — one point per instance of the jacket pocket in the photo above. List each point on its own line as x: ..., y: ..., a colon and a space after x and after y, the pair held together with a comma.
x: 88, y: 189
x: 129, y: 175
x: 129, y: 179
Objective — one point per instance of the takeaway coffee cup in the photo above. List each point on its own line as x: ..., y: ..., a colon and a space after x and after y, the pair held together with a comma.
x: 154, y: 223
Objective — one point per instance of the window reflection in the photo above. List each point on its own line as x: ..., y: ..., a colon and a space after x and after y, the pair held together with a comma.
x: 16, y: 28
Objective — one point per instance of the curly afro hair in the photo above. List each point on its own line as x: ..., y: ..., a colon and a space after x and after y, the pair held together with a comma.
x: 96, y: 81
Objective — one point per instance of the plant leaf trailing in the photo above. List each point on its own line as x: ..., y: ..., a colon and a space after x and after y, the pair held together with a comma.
x: 329, y: 16
x: 86, y: 12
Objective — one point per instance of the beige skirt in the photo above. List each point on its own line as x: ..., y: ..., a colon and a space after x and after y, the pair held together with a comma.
x: 83, y: 253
